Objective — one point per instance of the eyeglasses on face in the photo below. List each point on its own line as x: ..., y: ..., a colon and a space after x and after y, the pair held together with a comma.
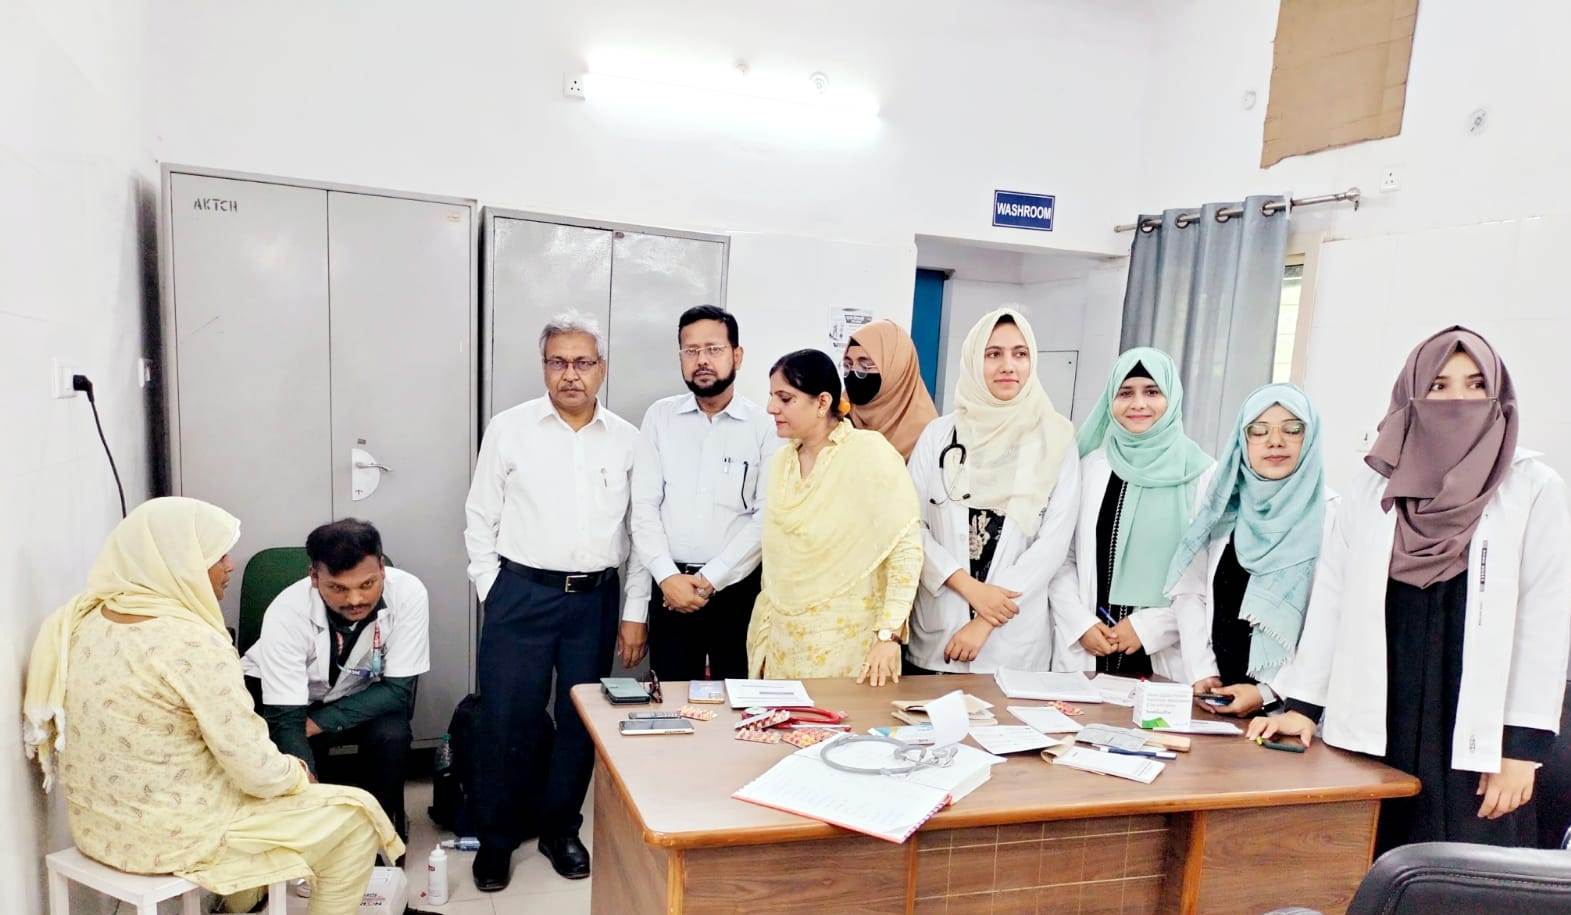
x: 582, y: 365
x: 861, y: 367
x: 713, y: 351
x: 1293, y: 428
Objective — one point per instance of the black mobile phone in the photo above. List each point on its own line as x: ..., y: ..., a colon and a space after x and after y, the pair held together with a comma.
x: 655, y: 726
x: 647, y: 716
x: 1214, y: 698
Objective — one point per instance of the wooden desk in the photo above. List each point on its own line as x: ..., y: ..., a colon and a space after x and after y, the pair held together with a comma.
x: 1227, y: 827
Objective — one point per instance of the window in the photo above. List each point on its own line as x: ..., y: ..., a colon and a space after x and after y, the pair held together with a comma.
x: 1287, y: 319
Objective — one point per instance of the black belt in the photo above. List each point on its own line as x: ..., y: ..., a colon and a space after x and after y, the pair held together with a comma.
x: 569, y: 582
x: 690, y: 568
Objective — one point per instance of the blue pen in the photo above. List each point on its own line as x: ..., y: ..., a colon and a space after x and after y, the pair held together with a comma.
x: 1151, y: 754
x: 1106, y: 617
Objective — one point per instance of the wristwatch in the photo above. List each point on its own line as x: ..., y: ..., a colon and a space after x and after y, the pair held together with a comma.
x: 885, y: 635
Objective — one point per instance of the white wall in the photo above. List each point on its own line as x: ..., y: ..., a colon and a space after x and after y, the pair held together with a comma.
x: 1475, y: 234
x: 75, y: 173
x: 467, y: 99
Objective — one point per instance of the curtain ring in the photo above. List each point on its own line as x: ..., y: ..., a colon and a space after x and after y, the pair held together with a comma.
x: 1181, y: 220
x: 1221, y: 216
x: 1147, y: 228
x: 1270, y: 207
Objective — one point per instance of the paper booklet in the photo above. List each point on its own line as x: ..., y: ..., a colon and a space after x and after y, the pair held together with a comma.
x: 1142, y: 769
x: 767, y: 694
x: 885, y: 807
x: 1047, y: 686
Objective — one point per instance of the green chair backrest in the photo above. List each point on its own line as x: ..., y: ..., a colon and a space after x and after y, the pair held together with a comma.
x: 266, y: 574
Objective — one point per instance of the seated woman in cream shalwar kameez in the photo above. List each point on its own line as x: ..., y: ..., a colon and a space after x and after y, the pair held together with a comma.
x: 135, y: 693
x: 841, y: 538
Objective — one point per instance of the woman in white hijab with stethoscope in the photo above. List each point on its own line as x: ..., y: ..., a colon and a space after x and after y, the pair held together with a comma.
x: 998, y: 483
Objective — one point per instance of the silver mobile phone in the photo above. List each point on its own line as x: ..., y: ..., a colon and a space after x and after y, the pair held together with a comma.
x: 655, y: 726
x: 644, y: 716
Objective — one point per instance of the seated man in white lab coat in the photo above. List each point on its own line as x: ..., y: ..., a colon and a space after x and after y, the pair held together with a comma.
x: 337, y: 661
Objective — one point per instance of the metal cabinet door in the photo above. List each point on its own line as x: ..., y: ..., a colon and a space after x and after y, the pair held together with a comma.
x: 536, y: 270
x: 654, y: 278
x: 403, y: 320
x: 249, y: 273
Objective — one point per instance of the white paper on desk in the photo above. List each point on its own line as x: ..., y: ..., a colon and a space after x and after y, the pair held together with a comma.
x: 1002, y: 739
x: 1136, y: 768
x: 767, y: 693
x: 1045, y: 718
x: 1220, y: 728
x: 890, y: 809
x: 1116, y: 690
x: 1047, y: 686
x: 949, y: 718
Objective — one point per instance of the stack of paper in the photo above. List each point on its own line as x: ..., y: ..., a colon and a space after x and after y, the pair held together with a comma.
x: 1046, y: 719
x: 767, y: 694
x: 1116, y: 690
x: 1001, y: 739
x: 1047, y: 686
x: 1137, y: 768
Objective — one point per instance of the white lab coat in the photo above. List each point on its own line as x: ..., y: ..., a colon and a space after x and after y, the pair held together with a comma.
x: 292, y: 656
x: 1518, y: 619
x: 1020, y: 563
x: 1194, y: 602
x: 1072, y: 592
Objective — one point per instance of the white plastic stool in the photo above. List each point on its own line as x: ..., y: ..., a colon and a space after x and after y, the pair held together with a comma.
x: 144, y: 892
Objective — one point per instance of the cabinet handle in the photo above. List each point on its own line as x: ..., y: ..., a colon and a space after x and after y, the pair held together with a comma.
x: 372, y: 465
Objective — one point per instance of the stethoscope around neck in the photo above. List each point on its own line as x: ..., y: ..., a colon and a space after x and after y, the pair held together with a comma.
x: 943, y: 479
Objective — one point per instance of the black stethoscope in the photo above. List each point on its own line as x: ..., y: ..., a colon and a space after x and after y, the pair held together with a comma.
x: 943, y: 479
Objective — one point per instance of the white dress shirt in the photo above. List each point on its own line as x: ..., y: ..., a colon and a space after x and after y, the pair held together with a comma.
x: 549, y: 497
x: 698, y: 493
x: 291, y: 657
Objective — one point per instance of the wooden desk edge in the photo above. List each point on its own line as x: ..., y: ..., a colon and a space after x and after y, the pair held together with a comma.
x: 955, y: 818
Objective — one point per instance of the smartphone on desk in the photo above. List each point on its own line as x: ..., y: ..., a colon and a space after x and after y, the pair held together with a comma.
x: 646, y: 716
x: 641, y: 726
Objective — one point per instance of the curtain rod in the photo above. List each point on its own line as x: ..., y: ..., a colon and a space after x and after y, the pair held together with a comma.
x: 1185, y: 219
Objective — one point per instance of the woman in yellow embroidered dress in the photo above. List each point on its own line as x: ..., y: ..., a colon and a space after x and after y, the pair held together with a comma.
x: 135, y: 689
x: 841, y: 538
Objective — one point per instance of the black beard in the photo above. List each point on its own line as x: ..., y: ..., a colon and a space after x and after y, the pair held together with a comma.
x: 718, y: 387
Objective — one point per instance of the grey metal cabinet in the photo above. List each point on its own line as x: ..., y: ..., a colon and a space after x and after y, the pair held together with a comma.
x: 636, y: 281
x: 321, y: 363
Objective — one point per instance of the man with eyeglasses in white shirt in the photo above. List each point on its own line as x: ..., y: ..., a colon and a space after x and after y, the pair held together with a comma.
x: 698, y: 494
x: 546, y: 534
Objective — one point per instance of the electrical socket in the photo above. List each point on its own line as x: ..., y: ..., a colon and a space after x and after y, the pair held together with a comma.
x: 573, y: 85
x: 1390, y: 180
x: 60, y: 371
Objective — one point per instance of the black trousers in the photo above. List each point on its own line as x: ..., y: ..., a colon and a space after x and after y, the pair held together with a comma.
x: 533, y: 637
x: 381, y: 765
x: 679, y: 643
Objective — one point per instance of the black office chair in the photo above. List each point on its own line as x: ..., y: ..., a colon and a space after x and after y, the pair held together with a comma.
x: 1458, y: 878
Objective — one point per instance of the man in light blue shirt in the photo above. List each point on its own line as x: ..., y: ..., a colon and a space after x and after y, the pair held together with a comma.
x: 697, y: 505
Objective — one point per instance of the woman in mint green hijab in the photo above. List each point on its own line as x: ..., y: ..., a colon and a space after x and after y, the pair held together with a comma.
x: 1141, y: 478
x: 1241, y: 578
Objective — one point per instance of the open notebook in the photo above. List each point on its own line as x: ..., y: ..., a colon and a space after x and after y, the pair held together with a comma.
x: 882, y: 806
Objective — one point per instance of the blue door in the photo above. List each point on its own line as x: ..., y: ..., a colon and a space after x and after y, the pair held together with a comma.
x: 927, y: 321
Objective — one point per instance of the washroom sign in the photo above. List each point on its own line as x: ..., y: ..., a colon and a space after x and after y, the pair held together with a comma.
x: 1019, y: 210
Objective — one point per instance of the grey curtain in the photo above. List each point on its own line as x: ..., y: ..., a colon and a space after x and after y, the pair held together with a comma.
x: 1207, y: 293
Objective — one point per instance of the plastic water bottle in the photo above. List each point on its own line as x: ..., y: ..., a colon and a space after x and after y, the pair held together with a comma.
x: 436, y: 877
x: 462, y: 843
